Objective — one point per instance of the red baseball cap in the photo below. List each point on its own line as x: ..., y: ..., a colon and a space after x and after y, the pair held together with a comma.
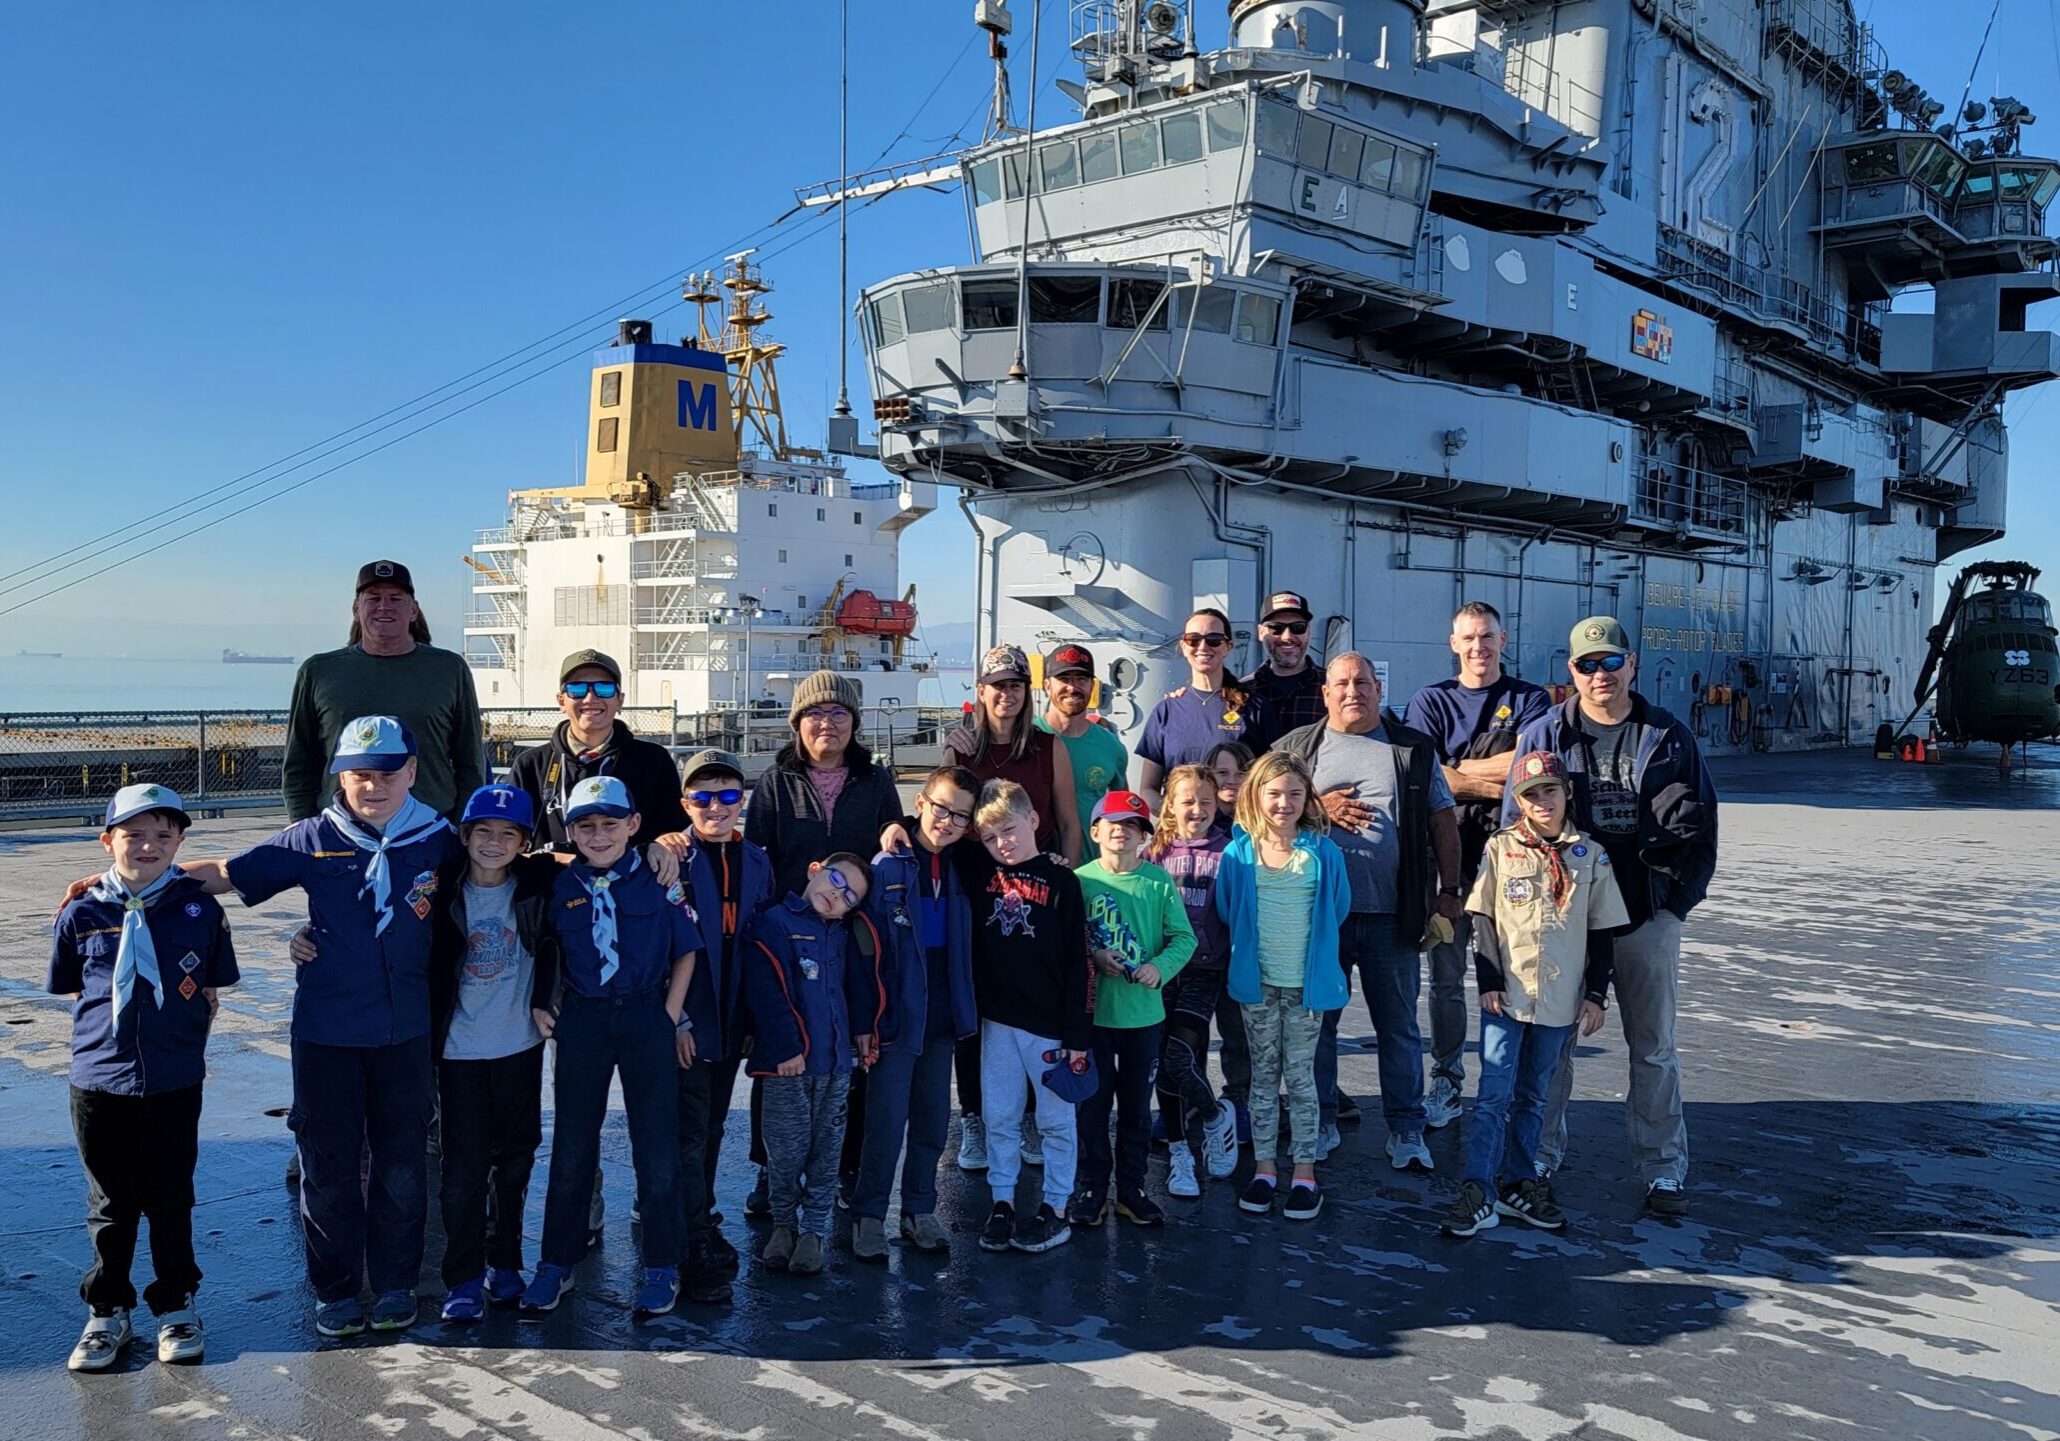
x: 1122, y: 806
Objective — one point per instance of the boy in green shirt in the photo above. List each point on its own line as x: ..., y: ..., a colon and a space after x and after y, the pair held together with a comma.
x: 1139, y: 938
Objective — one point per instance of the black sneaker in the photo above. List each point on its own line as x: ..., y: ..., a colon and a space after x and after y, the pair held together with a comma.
x: 722, y: 1256
x: 1348, y: 1110
x: 1042, y: 1232
x: 1531, y: 1203
x: 1141, y: 1210
x: 1258, y: 1196
x: 1472, y: 1212
x: 704, y: 1282
x: 758, y: 1205
x: 1000, y: 1228
x: 1304, y: 1201
x: 1666, y: 1198
x: 1087, y: 1208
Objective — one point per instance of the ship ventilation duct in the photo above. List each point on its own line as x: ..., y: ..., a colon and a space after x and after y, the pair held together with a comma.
x: 1378, y: 32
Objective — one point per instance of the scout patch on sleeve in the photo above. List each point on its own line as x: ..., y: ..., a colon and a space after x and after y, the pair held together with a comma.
x: 676, y: 894
x: 188, y: 989
x: 1580, y: 851
x: 1520, y: 890
x: 189, y: 963
x: 194, y: 909
x: 812, y: 970
x: 419, y: 894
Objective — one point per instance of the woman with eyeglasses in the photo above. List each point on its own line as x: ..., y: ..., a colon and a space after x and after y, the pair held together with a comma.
x: 1002, y: 742
x: 593, y: 741
x: 1211, y: 708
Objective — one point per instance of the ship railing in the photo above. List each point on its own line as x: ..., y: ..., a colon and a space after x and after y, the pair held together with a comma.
x: 1528, y: 76
x: 61, y: 766
x: 1688, y: 500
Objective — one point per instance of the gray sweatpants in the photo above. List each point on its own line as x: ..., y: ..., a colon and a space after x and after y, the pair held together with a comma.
x: 804, y: 1136
x: 1648, y: 977
x: 1451, y: 963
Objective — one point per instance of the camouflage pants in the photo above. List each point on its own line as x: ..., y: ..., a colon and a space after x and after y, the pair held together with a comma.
x: 1282, y: 1034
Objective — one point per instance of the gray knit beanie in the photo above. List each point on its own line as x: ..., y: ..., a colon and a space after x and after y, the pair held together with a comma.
x: 824, y: 687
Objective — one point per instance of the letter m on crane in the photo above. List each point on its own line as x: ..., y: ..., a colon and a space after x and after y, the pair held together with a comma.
x: 697, y: 405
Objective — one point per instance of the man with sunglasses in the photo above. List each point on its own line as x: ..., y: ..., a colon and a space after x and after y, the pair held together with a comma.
x: 1291, y: 687
x: 592, y: 741
x: 1639, y: 788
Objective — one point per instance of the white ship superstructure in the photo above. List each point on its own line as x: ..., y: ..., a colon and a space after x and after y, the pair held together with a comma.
x: 750, y: 563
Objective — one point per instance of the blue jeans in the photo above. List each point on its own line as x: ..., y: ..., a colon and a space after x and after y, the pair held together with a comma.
x: 907, y: 1092
x: 1519, y: 1062
x: 355, y: 1226
x: 1391, y: 975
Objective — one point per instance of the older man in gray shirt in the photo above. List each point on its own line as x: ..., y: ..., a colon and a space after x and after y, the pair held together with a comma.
x: 1391, y: 814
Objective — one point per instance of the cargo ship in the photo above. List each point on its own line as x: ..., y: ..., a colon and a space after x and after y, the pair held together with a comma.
x: 244, y: 657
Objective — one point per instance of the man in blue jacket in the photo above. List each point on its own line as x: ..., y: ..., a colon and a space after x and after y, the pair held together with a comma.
x: 1641, y: 789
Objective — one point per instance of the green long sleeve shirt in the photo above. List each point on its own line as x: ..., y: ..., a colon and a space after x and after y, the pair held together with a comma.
x: 1140, y: 917
x: 429, y: 689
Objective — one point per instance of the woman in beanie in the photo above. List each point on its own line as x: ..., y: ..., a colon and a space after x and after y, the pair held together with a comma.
x: 1001, y: 742
x: 823, y: 793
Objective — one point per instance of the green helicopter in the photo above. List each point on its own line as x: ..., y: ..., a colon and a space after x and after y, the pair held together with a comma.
x: 1994, y: 663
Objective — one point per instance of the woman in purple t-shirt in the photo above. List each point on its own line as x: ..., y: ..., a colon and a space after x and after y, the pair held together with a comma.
x: 1211, y: 708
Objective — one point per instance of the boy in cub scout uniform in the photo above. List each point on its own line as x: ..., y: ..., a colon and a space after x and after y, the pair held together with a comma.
x: 1546, y: 907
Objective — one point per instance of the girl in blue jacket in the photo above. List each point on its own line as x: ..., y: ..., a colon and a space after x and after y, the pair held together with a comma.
x: 1282, y: 889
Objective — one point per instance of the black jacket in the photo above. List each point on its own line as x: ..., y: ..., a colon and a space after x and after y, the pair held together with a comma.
x: 550, y: 771
x: 1677, y: 810
x: 1416, y: 882
x: 534, y: 877
x: 786, y: 816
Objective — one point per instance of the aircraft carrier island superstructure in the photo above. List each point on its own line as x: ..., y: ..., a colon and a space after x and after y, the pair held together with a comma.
x: 1571, y: 307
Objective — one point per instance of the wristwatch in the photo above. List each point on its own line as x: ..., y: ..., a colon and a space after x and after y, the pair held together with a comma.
x: 1453, y: 891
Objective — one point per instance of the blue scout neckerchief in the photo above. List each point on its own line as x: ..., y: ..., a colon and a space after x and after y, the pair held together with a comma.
x: 597, y: 884
x: 137, y: 955
x: 413, y: 822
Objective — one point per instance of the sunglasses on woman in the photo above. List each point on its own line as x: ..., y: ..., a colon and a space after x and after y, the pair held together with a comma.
x: 1588, y: 665
x: 713, y: 798
x: 581, y: 689
x: 1194, y: 640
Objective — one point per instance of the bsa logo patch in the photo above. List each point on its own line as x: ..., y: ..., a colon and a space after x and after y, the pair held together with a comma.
x: 419, y: 894
x: 1520, y: 890
x: 1580, y: 851
x: 189, y: 963
x: 194, y: 909
x: 188, y: 989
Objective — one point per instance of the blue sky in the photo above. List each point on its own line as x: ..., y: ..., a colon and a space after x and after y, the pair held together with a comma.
x: 233, y: 230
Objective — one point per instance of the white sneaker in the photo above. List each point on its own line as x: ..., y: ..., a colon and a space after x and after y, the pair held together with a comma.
x: 1441, y: 1103
x: 1407, y: 1150
x: 179, y: 1338
x: 1180, y: 1172
x: 972, y: 1143
x: 1219, y: 1140
x: 100, y: 1344
x: 1328, y: 1140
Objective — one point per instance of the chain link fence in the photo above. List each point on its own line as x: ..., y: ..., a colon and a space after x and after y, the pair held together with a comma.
x: 63, y: 765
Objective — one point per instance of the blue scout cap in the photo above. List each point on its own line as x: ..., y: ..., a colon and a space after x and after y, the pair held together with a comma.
x: 373, y: 743
x: 599, y: 796
x: 132, y: 801
x: 1071, y: 1086
x: 500, y: 803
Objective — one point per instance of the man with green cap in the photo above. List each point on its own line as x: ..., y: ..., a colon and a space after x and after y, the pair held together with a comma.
x: 1639, y: 788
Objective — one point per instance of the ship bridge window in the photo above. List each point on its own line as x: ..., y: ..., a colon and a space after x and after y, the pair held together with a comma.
x: 1938, y: 169
x: 887, y: 328
x: 1098, y: 157
x: 1183, y: 137
x: 1314, y: 149
x: 1411, y: 166
x: 927, y: 307
x: 1346, y: 149
x: 1377, y: 166
x: 987, y: 182
x: 1258, y: 319
x: 1226, y: 120
x: 1870, y: 164
x: 989, y: 305
x: 1276, y: 128
x: 1058, y: 166
x: 1130, y: 301
x: 1212, y: 308
x: 1065, y: 299
x: 1140, y: 149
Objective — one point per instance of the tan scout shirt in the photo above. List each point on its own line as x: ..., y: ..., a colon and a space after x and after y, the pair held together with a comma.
x: 1545, y: 949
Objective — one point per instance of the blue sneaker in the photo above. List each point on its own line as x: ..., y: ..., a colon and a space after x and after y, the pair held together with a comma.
x: 393, y: 1311
x: 466, y: 1302
x: 340, y: 1318
x: 659, y: 1293
x: 547, y: 1288
x: 504, y: 1288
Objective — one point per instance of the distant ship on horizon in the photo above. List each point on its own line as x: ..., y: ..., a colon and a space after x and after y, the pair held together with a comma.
x: 244, y: 657
x: 41, y: 654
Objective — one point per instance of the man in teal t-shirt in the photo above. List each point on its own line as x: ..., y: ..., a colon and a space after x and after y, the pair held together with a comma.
x: 1101, y: 763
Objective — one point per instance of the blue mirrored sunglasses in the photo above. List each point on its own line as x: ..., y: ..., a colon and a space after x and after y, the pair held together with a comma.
x: 1588, y: 665
x: 580, y: 689
x: 713, y: 798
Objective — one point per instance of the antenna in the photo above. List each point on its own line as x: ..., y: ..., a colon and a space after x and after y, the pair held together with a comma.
x: 1017, y: 369
x: 993, y: 17
x: 843, y: 408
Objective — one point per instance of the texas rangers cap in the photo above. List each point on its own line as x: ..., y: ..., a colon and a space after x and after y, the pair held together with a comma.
x: 373, y: 743
x: 1072, y: 1082
x: 1539, y: 768
x: 1597, y: 635
x: 131, y: 801
x: 1286, y: 602
x: 588, y: 657
x: 599, y: 796
x: 1123, y: 806
x: 500, y: 803
x: 385, y: 572
x: 1070, y: 660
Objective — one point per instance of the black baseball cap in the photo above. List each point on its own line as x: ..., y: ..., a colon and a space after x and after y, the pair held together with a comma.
x: 1070, y: 660
x: 385, y: 572
x: 1286, y: 602
x: 589, y: 657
